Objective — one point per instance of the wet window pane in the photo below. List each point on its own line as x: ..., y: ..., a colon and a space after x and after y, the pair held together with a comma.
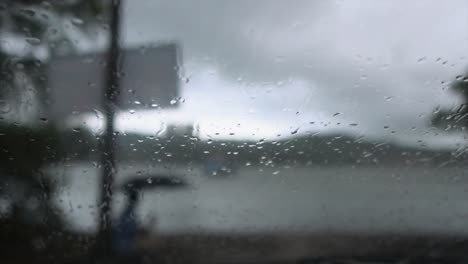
x: 233, y: 131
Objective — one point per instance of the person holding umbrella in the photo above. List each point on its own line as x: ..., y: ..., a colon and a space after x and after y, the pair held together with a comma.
x: 126, y: 230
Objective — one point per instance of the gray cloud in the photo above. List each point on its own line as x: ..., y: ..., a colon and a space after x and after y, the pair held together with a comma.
x: 377, y: 63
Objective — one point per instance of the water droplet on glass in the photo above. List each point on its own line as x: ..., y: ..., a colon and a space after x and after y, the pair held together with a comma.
x: 45, y: 16
x: 173, y: 101
x: 53, y: 31
x: 295, y: 131
x: 422, y: 59
x: 131, y: 111
x: 33, y: 41
x: 4, y: 106
x: 28, y: 12
x: 77, y: 21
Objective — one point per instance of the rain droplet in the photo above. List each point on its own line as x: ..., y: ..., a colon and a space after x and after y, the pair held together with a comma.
x: 149, y: 180
x: 173, y: 101
x: 388, y: 98
x: 422, y: 59
x: 33, y: 41
x: 131, y: 111
x: 28, y: 12
x: 4, y: 106
x: 53, y: 31
x: 77, y: 21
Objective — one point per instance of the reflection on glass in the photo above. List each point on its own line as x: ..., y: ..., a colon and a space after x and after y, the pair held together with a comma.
x: 244, y: 132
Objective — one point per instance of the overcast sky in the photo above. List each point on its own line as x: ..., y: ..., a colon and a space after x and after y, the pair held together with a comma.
x: 377, y: 63
x: 263, y: 68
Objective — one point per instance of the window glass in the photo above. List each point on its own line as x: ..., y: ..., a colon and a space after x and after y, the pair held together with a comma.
x: 233, y: 131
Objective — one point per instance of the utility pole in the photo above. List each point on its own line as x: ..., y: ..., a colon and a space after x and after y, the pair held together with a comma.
x: 110, y: 100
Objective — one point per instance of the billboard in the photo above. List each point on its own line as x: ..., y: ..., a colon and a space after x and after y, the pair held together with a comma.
x: 149, y: 78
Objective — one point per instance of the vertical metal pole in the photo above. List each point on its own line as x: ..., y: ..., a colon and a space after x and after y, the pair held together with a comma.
x: 111, y: 94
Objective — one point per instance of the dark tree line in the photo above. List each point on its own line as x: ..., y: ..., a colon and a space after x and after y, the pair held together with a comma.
x: 455, y: 119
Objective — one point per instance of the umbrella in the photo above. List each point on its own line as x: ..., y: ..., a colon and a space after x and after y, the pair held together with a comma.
x: 153, y: 181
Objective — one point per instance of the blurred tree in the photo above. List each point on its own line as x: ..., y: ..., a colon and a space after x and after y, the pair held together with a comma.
x: 455, y: 119
x: 32, y: 31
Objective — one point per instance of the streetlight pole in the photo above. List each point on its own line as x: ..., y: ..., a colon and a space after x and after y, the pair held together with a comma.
x: 110, y: 99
